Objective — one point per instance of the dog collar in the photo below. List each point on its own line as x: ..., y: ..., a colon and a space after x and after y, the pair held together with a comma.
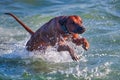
x: 64, y: 28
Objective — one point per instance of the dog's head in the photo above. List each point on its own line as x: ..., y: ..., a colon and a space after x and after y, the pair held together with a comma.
x: 72, y: 24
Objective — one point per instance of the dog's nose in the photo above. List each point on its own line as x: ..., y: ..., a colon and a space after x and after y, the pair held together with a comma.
x: 80, y: 30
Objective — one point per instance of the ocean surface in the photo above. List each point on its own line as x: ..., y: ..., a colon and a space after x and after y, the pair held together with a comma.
x: 101, y: 62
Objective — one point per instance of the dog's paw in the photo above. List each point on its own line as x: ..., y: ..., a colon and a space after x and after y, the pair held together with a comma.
x: 86, y: 44
x: 75, y: 58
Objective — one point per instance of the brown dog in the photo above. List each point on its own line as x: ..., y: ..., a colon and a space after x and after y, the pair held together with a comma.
x: 56, y: 32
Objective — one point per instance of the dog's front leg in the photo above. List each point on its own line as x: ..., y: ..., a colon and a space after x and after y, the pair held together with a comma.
x: 70, y: 50
x: 80, y: 41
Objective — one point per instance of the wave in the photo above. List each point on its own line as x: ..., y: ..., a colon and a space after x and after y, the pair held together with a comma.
x: 50, y: 55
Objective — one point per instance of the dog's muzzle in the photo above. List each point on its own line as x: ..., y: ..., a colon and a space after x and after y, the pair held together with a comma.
x: 79, y: 30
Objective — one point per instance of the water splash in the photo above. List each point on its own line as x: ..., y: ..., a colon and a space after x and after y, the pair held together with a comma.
x: 86, y: 72
x: 50, y: 55
x: 82, y: 69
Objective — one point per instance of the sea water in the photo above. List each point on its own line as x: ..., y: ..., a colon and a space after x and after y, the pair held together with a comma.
x: 101, y: 20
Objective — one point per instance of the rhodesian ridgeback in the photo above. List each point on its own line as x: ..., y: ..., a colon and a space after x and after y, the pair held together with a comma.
x: 56, y: 32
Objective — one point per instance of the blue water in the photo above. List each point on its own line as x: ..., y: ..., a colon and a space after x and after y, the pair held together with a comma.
x: 100, y: 62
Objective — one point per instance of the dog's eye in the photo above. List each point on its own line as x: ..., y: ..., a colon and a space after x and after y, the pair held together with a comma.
x: 73, y: 22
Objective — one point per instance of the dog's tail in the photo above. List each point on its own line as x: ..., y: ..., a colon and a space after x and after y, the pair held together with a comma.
x: 19, y: 21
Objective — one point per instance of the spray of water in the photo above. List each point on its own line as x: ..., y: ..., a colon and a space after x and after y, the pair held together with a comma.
x: 83, y: 68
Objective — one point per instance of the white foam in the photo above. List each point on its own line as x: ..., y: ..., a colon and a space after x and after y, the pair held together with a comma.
x: 50, y: 55
x: 86, y: 72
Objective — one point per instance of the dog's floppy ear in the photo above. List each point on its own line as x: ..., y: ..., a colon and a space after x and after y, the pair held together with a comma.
x: 63, y: 20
